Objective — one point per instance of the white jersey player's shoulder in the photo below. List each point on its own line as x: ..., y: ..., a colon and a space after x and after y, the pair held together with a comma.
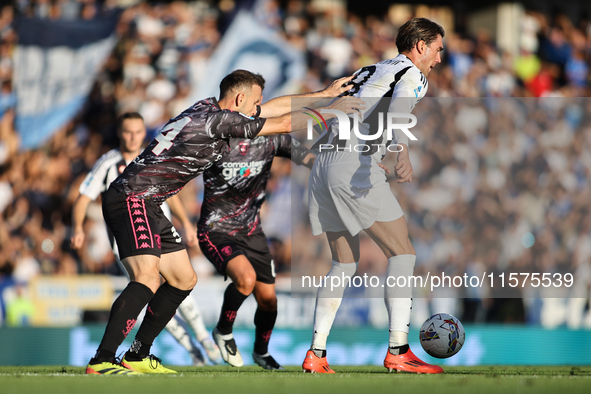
x: 408, y: 76
x: 96, y: 180
x: 109, y: 156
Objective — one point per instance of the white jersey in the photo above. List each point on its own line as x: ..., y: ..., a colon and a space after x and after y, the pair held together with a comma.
x: 347, y: 189
x: 106, y: 169
x: 393, y: 85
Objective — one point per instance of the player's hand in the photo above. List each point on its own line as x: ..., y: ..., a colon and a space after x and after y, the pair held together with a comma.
x: 403, y: 167
x: 309, y: 160
x: 338, y: 87
x: 383, y: 167
x: 348, y: 105
x: 77, y: 239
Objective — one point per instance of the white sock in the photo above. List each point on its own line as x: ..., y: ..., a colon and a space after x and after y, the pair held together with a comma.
x: 190, y: 312
x: 398, y: 338
x: 178, y: 331
x: 399, y: 299
x: 328, y: 301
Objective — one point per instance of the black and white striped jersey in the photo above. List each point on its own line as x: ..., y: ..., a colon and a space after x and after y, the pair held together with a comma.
x: 390, y: 86
x: 106, y: 169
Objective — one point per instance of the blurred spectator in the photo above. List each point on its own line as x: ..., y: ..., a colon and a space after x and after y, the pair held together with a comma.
x: 482, y: 180
x: 20, y: 309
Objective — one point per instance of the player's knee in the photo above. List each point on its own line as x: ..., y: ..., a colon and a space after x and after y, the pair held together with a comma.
x: 245, y: 282
x: 150, y: 278
x: 268, y: 304
x: 186, y: 282
x: 349, y: 259
x: 407, y: 247
x: 399, y: 247
x: 411, y: 249
x: 192, y: 282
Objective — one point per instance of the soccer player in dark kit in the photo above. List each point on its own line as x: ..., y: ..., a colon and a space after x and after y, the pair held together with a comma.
x: 185, y: 147
x: 231, y: 237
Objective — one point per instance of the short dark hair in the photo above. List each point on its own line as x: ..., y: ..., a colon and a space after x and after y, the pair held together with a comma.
x: 240, y: 79
x: 415, y: 30
x: 127, y: 115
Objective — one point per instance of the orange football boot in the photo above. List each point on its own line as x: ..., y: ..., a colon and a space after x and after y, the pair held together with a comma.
x: 408, y: 362
x: 315, y: 364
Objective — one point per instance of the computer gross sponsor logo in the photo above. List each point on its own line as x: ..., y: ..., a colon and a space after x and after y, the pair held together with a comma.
x: 241, y: 169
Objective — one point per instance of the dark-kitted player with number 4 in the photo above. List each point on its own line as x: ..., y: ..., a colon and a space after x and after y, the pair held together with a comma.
x: 188, y: 145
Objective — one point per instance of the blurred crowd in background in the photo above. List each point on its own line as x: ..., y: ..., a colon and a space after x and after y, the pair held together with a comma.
x: 500, y: 185
x: 481, y: 181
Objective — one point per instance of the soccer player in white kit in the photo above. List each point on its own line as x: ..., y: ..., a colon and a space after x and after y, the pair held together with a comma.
x: 132, y: 132
x: 348, y: 192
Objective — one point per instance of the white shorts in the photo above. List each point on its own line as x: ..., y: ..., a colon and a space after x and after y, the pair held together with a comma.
x: 346, y: 193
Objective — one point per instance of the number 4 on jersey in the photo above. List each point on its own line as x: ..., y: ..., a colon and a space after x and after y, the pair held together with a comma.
x: 165, y: 137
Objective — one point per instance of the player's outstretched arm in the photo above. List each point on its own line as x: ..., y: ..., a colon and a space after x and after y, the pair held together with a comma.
x: 78, y: 216
x: 288, y: 147
x: 177, y: 209
x: 298, y: 120
x: 283, y: 105
x: 309, y: 160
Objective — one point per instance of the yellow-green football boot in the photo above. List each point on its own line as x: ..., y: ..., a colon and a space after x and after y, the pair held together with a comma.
x: 150, y: 364
x: 109, y: 368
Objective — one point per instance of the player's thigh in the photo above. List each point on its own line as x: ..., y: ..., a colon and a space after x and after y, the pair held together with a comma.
x: 259, y: 254
x: 219, y: 249
x: 391, y: 237
x: 240, y: 270
x: 176, y: 268
x: 175, y: 265
x: 344, y: 247
x: 264, y: 293
x: 138, y: 226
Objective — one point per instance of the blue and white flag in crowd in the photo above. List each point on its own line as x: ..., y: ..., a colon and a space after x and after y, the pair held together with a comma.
x: 251, y: 46
x: 56, y: 63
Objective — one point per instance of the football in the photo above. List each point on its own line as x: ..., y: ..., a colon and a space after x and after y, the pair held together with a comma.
x: 442, y: 335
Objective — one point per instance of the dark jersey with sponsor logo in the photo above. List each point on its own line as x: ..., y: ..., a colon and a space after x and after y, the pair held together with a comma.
x: 185, y: 147
x: 235, y: 185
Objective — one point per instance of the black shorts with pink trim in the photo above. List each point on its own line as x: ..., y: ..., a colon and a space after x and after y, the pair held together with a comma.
x: 220, y: 248
x: 139, y: 226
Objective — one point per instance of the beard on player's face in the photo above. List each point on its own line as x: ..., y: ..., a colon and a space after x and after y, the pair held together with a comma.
x: 248, y: 106
x: 243, y: 108
x: 427, y: 62
x: 432, y: 55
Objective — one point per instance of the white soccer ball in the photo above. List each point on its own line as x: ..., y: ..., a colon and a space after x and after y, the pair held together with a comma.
x: 442, y: 335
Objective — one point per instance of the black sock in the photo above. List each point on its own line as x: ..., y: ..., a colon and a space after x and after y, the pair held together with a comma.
x: 264, y: 322
x: 123, y: 316
x: 138, y: 351
x: 398, y: 350
x: 159, y: 312
x: 232, y: 301
x: 319, y: 352
x: 102, y: 356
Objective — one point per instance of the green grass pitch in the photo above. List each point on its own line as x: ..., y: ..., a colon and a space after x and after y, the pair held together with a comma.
x: 360, y: 380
